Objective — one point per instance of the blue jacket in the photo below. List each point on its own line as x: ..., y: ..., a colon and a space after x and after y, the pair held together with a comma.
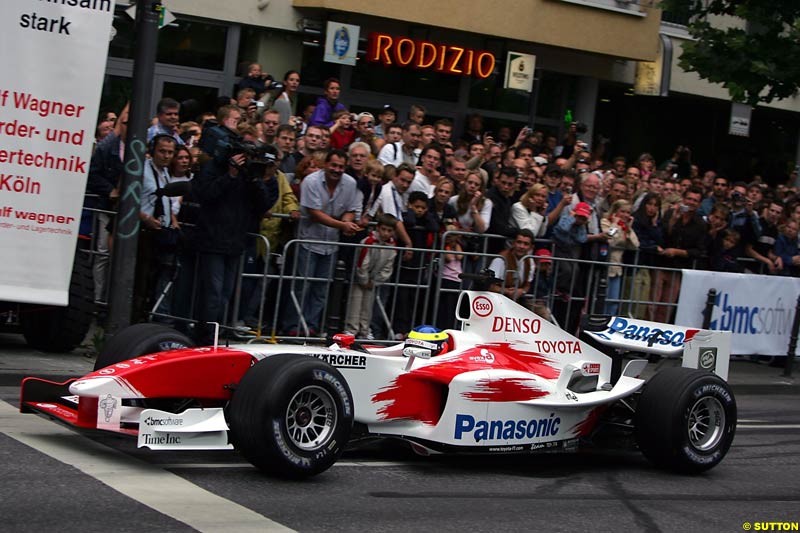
x: 786, y: 248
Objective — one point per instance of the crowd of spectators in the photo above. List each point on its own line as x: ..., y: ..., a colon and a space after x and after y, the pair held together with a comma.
x: 334, y: 173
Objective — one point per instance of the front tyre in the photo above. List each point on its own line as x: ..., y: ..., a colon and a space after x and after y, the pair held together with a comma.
x: 291, y: 415
x: 138, y: 340
x: 686, y: 420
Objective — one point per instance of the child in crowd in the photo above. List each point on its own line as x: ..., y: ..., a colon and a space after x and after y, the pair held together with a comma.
x: 451, y: 269
x: 422, y: 229
x: 544, y: 283
x: 723, y: 257
x: 786, y: 248
x: 374, y: 266
x: 370, y: 187
x: 342, y: 131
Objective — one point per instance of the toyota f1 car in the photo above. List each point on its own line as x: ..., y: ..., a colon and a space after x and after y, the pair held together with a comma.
x: 506, y: 382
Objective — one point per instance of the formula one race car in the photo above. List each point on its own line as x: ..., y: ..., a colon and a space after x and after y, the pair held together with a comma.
x: 506, y: 382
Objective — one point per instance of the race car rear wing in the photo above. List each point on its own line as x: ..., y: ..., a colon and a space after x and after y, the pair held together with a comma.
x: 698, y: 348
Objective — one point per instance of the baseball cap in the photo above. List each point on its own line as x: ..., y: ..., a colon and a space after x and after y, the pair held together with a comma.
x: 388, y: 107
x: 582, y: 210
x: 544, y: 255
x: 541, y: 161
x: 365, y: 114
x: 268, y: 154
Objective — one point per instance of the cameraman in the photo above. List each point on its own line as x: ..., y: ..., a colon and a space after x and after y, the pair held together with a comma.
x: 235, y: 192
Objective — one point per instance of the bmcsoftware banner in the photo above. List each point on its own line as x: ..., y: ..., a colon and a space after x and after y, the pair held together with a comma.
x: 758, y: 310
x: 53, y: 61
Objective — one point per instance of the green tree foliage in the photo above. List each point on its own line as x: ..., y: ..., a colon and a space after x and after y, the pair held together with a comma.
x: 758, y: 61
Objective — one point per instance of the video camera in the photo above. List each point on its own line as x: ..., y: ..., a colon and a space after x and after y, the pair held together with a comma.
x: 222, y: 144
x: 580, y: 127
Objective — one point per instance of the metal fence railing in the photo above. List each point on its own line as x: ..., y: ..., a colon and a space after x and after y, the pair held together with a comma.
x: 276, y: 291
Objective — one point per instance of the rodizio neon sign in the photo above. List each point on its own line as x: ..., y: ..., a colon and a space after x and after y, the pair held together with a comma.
x: 425, y: 55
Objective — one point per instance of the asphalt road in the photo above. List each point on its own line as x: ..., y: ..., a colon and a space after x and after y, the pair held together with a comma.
x: 55, y: 479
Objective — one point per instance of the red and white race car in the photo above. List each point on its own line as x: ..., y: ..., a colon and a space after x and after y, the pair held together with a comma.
x: 506, y: 382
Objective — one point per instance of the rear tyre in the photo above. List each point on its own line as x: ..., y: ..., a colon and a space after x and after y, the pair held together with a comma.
x: 686, y: 420
x: 62, y: 329
x: 291, y: 415
x: 140, y: 339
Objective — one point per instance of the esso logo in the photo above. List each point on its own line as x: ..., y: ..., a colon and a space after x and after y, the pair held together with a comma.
x: 482, y: 306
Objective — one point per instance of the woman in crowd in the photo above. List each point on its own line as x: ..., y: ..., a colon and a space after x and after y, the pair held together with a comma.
x: 647, y: 226
x: 327, y: 104
x: 473, y: 212
x: 647, y: 165
x: 618, y: 225
x: 439, y: 204
x: 286, y: 102
x: 473, y: 209
x: 528, y: 213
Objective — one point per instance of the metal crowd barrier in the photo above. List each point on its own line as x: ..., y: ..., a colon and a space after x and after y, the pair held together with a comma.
x: 278, y: 286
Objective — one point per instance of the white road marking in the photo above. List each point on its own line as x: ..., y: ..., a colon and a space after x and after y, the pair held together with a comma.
x: 768, y: 426
x: 149, y: 484
x: 366, y: 464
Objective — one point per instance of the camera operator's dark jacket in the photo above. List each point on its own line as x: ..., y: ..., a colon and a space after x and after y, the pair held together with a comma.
x: 230, y: 207
x: 500, y: 223
x: 105, y: 170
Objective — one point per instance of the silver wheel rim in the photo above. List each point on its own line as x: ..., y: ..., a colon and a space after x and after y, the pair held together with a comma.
x: 706, y: 423
x: 311, y: 417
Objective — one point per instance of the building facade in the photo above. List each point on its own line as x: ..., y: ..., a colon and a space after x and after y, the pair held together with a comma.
x: 611, y: 64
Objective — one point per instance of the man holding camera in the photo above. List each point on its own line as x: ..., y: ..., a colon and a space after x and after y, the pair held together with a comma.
x: 684, y: 242
x: 745, y: 220
x: 159, y: 224
x: 235, y: 191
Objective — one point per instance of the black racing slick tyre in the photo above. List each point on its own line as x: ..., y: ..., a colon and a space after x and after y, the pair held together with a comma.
x: 62, y: 329
x: 140, y: 339
x: 685, y: 420
x: 291, y: 415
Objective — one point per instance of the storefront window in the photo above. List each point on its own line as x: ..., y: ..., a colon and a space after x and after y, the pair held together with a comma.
x: 490, y: 94
x: 187, y: 43
x: 557, y: 92
x: 405, y: 82
x: 116, y: 93
x: 195, y: 98
x: 193, y: 44
x: 315, y: 70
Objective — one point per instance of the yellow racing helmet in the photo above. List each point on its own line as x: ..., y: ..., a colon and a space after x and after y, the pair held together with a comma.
x: 429, y: 338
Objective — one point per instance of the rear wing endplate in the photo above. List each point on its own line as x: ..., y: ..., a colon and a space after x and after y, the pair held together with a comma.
x: 699, y: 348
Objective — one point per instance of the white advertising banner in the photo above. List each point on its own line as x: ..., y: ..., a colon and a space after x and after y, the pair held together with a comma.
x: 758, y: 310
x: 53, y: 61
x: 341, y: 43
